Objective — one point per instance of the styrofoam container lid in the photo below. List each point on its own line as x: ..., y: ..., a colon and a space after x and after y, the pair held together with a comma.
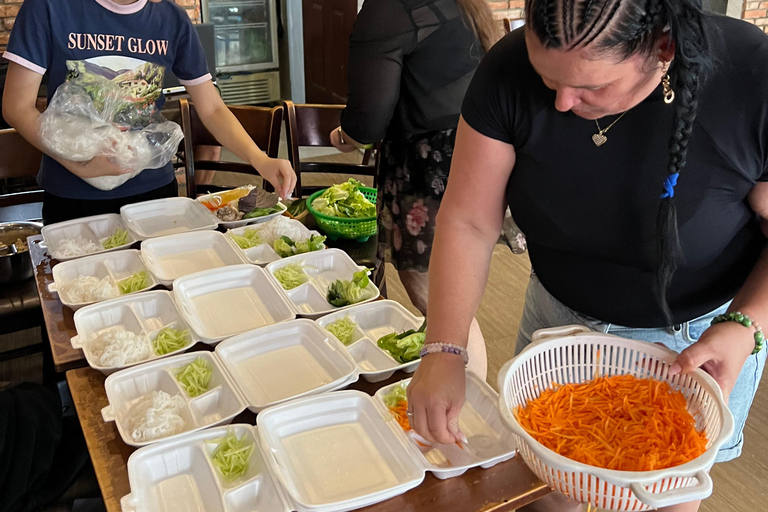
x: 336, y: 452
x: 96, y: 229
x: 168, y: 216
x: 178, y: 475
x: 174, y: 256
x: 143, y: 313
x: 264, y: 254
x: 116, y: 265
x: 374, y: 320
x: 228, y: 301
x: 285, y: 361
x: 323, y: 268
x: 219, y: 405
x: 489, y: 441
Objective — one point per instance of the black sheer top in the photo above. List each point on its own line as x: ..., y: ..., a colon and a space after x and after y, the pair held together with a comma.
x: 410, y: 63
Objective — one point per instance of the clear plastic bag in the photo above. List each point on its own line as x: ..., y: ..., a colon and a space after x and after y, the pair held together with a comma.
x: 76, y: 127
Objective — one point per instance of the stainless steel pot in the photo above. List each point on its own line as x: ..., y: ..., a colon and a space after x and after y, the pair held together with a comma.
x: 15, y: 263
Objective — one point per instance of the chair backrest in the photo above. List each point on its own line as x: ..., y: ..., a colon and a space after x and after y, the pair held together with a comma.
x: 262, y: 125
x: 310, y: 126
x: 19, y: 159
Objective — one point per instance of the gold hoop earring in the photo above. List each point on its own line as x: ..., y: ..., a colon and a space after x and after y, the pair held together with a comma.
x: 669, y: 94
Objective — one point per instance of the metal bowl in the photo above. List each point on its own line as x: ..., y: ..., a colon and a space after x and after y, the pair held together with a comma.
x: 15, y: 263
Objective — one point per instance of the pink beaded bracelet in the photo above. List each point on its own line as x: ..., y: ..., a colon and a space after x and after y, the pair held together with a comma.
x: 445, y: 348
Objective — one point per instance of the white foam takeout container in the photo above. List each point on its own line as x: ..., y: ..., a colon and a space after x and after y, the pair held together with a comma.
x: 116, y: 265
x: 96, y: 229
x: 332, y: 452
x: 374, y: 320
x: 264, y: 254
x: 146, y: 313
x: 174, y: 256
x: 323, y: 268
x: 242, y: 222
x: 228, y: 301
x: 218, y: 406
x: 168, y: 216
x: 286, y: 361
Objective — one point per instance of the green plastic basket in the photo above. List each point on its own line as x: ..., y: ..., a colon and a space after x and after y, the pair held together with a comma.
x: 360, y: 229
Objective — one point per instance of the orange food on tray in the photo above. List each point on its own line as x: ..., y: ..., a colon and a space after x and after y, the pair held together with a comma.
x: 621, y: 423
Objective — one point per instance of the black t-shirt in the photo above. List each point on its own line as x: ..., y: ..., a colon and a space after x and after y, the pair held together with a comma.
x: 589, y: 213
x: 410, y: 63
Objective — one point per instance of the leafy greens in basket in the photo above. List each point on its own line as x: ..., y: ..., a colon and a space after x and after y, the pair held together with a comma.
x: 404, y: 347
x: 345, y: 200
x: 343, y: 293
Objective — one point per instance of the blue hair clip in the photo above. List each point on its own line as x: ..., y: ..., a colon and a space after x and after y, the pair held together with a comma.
x: 669, y: 185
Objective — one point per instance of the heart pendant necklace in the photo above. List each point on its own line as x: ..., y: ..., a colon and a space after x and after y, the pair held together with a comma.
x: 599, y: 138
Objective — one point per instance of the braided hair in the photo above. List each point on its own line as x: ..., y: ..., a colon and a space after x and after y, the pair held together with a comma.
x: 624, y: 28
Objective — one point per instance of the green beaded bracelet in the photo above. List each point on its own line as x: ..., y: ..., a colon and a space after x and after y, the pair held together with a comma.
x: 744, y: 320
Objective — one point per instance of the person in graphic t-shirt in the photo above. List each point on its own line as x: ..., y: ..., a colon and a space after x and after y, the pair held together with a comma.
x: 132, y: 43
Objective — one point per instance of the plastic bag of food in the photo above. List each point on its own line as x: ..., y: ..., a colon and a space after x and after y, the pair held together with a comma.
x: 84, y: 121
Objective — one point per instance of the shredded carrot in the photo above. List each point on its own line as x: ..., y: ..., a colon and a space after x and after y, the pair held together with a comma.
x: 621, y: 422
x: 399, y: 412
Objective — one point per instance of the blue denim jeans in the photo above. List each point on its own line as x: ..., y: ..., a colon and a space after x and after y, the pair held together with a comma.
x: 542, y: 311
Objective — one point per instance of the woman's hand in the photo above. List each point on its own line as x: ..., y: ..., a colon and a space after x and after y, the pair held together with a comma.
x: 721, y: 352
x: 98, y: 166
x: 344, y: 147
x: 435, y: 398
x: 279, y: 173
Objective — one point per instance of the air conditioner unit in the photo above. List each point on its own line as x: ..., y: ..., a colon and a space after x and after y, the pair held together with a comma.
x: 250, y: 89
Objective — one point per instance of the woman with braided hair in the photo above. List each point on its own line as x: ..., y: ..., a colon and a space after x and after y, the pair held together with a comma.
x: 630, y: 140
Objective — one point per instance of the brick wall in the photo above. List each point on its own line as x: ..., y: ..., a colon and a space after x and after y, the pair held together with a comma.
x: 757, y: 13
x: 9, y: 9
x: 512, y: 9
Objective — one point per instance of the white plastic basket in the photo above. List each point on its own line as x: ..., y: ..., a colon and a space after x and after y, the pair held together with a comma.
x: 574, y: 354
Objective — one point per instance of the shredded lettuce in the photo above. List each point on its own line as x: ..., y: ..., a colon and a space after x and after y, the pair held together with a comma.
x: 195, y: 377
x: 136, y: 282
x: 343, y: 329
x: 342, y: 292
x: 170, y: 340
x: 396, y: 396
x: 116, y: 239
x: 404, y: 347
x: 231, y: 456
x: 344, y: 200
x: 291, y: 276
x: 249, y: 238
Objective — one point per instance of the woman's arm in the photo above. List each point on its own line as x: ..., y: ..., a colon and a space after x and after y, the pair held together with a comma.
x: 225, y: 127
x: 19, y: 110
x: 468, y: 226
x: 723, y: 348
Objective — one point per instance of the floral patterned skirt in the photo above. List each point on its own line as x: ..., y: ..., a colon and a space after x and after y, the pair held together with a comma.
x: 412, y: 178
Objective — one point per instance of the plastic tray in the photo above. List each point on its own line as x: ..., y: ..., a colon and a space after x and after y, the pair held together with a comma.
x: 374, y: 320
x: 141, y: 313
x: 219, y: 405
x: 174, y: 256
x: 168, y: 216
x: 117, y: 265
x: 264, y: 253
x: 286, y: 361
x: 96, y: 229
x: 228, y: 301
x: 243, y: 222
x: 178, y: 475
x: 489, y: 441
x: 323, y: 268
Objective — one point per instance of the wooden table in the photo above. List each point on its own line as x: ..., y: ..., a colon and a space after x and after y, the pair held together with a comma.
x: 502, y: 488
x: 59, y: 323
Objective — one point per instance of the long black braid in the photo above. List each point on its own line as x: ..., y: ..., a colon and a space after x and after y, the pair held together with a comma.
x: 623, y: 28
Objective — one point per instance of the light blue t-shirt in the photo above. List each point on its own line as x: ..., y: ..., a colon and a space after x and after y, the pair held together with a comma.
x: 130, y: 45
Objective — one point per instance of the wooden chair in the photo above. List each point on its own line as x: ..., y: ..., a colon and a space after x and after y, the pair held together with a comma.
x: 310, y: 126
x: 18, y: 159
x: 262, y: 124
